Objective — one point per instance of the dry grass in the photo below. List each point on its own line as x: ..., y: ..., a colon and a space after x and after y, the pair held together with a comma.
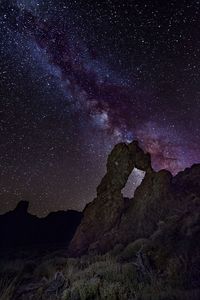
x: 95, y: 277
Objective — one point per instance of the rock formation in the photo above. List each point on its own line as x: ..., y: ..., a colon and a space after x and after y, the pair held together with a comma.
x: 110, y: 219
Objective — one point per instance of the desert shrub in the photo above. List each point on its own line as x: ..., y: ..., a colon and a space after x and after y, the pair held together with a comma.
x: 165, y: 292
x: 91, y: 259
x: 71, y: 268
x: 155, y: 290
x: 117, y: 250
x: 129, y: 274
x: 74, y: 294
x: 88, y: 289
x: 176, y: 271
x: 49, y: 266
x: 131, y: 250
x: 84, y: 262
x: 45, y: 269
x: 112, y: 272
x: 99, y: 268
x: 108, y: 270
x: 73, y: 261
x: 114, y: 291
x: 7, y: 287
x: 160, y: 257
x: 66, y: 295
x: 60, y: 262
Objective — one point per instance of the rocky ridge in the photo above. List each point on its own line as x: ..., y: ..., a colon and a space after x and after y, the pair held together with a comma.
x: 111, y: 219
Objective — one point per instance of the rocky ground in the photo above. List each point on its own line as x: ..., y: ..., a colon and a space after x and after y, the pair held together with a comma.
x: 141, y: 270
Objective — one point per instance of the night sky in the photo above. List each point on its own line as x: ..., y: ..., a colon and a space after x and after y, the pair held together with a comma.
x: 78, y: 76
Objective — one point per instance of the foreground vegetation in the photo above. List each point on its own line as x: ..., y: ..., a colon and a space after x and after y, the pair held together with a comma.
x: 123, y: 273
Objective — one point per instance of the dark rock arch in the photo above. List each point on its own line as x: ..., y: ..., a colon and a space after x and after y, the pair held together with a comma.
x: 105, y: 211
x: 111, y: 219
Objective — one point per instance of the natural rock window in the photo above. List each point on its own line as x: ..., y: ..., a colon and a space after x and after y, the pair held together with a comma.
x: 134, y: 180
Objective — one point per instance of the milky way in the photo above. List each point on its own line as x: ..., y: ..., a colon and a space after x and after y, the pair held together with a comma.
x: 79, y: 76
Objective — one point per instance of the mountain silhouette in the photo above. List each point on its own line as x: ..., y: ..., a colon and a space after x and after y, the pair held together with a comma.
x: 20, y: 228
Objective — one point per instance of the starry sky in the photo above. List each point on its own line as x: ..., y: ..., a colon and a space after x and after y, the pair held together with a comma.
x: 79, y: 76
